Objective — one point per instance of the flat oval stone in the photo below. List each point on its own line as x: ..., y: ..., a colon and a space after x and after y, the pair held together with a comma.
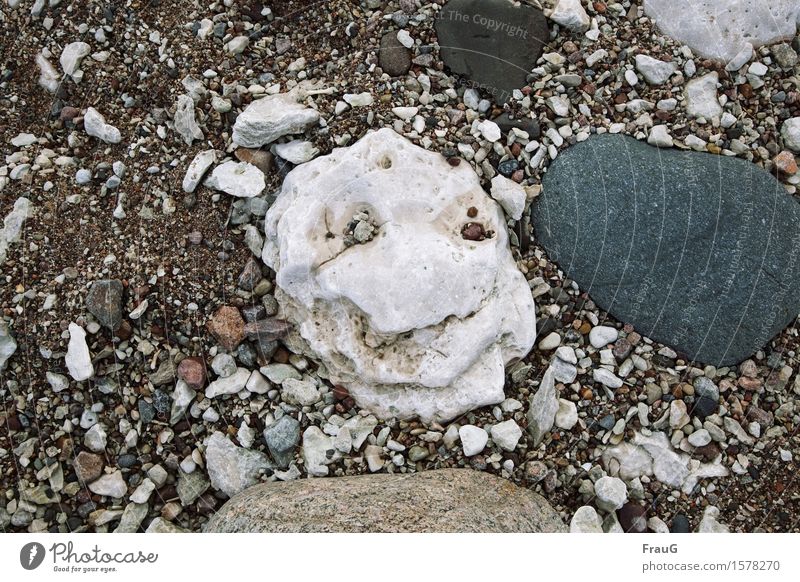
x: 447, y: 500
x: 491, y: 42
x: 697, y: 251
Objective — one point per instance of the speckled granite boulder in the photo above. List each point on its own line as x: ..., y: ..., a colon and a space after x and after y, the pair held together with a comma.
x: 448, y: 500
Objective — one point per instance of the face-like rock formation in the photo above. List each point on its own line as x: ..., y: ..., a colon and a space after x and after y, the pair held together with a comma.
x: 396, y: 271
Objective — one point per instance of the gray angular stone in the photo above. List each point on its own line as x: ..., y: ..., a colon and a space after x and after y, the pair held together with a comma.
x: 695, y: 250
x: 191, y: 486
x: 543, y: 408
x: 233, y: 469
x: 104, y: 301
x: 447, y: 500
x: 282, y: 438
x: 492, y: 42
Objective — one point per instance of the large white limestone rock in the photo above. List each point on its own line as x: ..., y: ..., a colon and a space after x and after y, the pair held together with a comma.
x: 722, y: 29
x: 383, y: 288
x: 264, y: 121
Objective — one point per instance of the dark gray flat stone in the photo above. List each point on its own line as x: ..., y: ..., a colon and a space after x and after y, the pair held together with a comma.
x: 491, y: 42
x: 698, y: 251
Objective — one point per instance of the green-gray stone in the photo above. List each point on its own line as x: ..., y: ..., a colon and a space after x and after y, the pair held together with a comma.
x: 697, y: 251
x: 492, y: 42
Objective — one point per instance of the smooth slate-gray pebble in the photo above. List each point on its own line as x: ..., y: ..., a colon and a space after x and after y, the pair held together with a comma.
x: 491, y: 42
x: 697, y: 251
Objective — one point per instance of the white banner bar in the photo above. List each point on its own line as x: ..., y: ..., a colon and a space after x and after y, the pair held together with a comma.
x: 356, y: 557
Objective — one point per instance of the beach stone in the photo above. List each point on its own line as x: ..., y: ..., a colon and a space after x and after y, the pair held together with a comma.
x: 7, y: 345
x: 571, y: 15
x: 790, y: 132
x: 491, y: 42
x: 111, y: 485
x: 655, y: 72
x: 104, y: 301
x: 632, y: 518
x: 567, y: 415
x: 271, y: 117
x: 198, y: 168
x: 238, y: 179
x: 282, y: 437
x: 611, y: 493
x: 95, y: 125
x: 227, y: 327
x: 192, y: 370
x: 78, y: 360
x: 710, y: 523
x: 585, y: 520
x: 721, y: 29
x: 543, y: 408
x: 638, y: 214
x: 71, y: 58
x: 434, y: 353
x: 233, y: 469
x: 446, y: 500
x: 393, y: 57
x: 506, y: 434
x: 701, y: 97
x: 473, y: 439
x: 88, y: 466
x: 184, y: 121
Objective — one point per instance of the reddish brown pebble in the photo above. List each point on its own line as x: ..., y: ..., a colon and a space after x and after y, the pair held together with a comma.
x: 472, y: 212
x: 227, y: 327
x: 88, y: 466
x: 281, y: 356
x: 125, y: 331
x: 518, y: 176
x: 473, y: 231
x: 454, y: 161
x: 193, y: 372
x: 786, y: 163
x: 340, y: 392
x: 69, y: 113
x: 750, y: 383
x: 261, y: 159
